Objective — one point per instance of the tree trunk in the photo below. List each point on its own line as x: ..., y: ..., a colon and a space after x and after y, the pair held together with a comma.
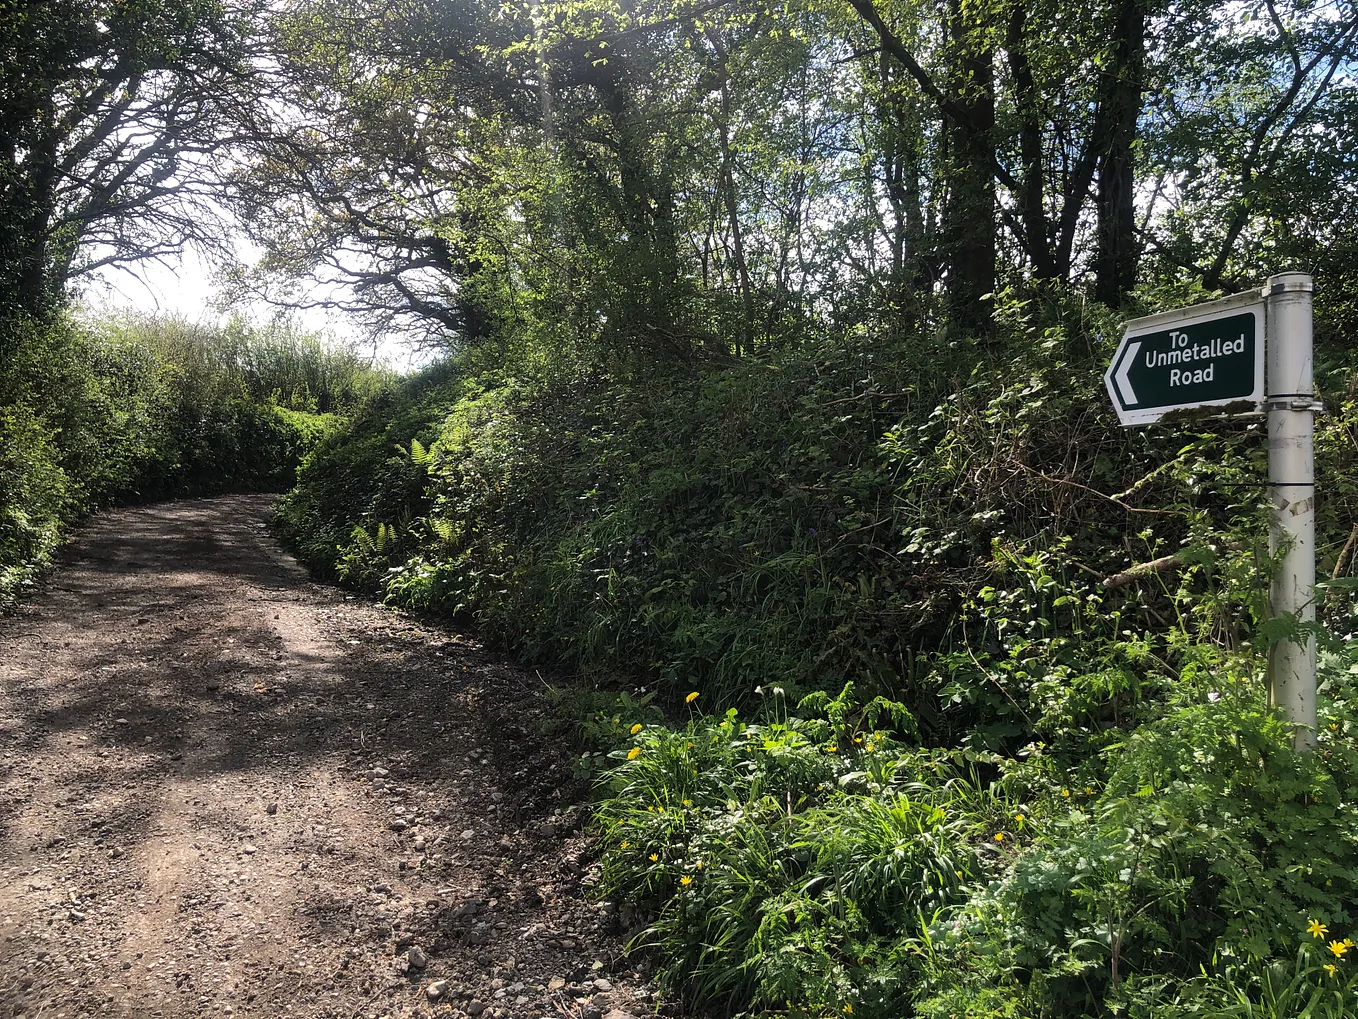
x: 901, y: 163
x: 650, y: 262
x: 728, y: 186
x: 969, y: 217
x: 1115, y: 258
x: 29, y: 200
x: 1037, y: 236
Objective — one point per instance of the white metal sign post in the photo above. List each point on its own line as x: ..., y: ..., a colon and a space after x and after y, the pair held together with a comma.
x: 1213, y: 355
x: 1292, y: 489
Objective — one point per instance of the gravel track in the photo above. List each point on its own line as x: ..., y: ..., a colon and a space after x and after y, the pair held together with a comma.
x: 226, y: 790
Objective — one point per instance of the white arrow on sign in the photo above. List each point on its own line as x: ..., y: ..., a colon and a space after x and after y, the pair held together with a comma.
x: 1123, y: 375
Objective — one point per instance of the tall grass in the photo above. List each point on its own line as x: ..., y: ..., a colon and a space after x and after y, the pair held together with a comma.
x: 276, y: 363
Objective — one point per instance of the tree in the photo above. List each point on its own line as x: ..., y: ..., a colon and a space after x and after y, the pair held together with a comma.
x: 1251, y: 141
x: 966, y: 105
x: 111, y: 114
x: 368, y: 173
x: 697, y: 176
x: 1115, y: 136
x: 1057, y: 134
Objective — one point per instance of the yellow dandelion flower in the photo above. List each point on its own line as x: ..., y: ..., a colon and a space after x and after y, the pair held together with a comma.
x: 653, y: 857
x: 700, y: 864
x: 1065, y: 793
x: 691, y: 697
x: 1348, y: 942
x: 1331, y: 968
x: 686, y: 880
x: 1018, y: 818
x: 1317, y: 929
x: 848, y: 1010
x: 831, y: 749
x: 636, y: 728
x: 634, y: 753
x: 1338, y: 948
x: 999, y: 836
x: 624, y: 845
x: 958, y: 873
x: 688, y: 803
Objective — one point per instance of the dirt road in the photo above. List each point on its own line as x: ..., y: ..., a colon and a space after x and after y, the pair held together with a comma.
x: 225, y: 790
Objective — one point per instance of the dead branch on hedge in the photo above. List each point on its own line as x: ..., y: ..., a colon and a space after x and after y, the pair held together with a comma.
x: 1162, y: 565
x: 1094, y: 491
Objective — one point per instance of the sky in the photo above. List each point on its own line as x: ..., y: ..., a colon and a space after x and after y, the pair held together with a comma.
x: 184, y: 287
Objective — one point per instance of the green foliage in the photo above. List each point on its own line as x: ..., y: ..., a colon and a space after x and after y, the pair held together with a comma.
x: 792, y: 866
x: 34, y: 496
x: 99, y: 414
x: 850, y: 511
x: 955, y: 549
x: 1112, y: 822
x: 918, y: 540
x: 111, y: 114
x: 276, y: 364
x: 371, y: 473
x: 782, y: 868
x: 1206, y: 850
x: 1313, y: 986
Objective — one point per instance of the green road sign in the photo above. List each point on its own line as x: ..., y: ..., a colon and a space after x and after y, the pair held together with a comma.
x: 1210, y: 355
